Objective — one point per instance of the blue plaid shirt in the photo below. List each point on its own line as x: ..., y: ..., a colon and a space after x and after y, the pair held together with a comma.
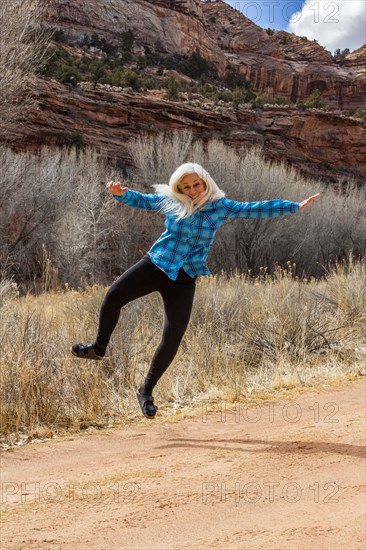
x: 186, y: 243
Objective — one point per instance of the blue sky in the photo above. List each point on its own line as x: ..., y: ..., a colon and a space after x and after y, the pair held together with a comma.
x: 275, y: 14
x: 333, y: 23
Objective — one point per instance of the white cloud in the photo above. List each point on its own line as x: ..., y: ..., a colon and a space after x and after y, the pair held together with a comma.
x: 334, y: 24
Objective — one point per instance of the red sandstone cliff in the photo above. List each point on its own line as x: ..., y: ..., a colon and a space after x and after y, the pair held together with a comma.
x: 320, y: 144
x: 167, y: 26
x: 280, y: 64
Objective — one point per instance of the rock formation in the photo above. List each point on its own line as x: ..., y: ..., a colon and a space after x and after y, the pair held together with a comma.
x: 282, y: 64
x: 176, y: 26
x: 277, y: 64
x: 320, y: 144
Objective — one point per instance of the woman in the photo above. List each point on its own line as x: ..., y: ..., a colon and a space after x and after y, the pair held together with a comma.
x: 194, y: 208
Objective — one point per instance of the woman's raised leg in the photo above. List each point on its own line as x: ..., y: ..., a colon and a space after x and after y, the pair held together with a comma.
x: 140, y: 280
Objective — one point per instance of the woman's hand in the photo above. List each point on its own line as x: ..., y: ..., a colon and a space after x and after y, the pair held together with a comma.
x: 116, y: 188
x: 306, y: 202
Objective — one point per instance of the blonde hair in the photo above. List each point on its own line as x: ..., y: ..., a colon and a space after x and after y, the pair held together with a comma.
x: 181, y: 205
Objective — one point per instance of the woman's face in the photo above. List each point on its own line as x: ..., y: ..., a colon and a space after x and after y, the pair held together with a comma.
x: 192, y: 186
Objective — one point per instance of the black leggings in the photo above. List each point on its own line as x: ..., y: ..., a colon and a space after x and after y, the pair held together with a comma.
x: 140, y: 280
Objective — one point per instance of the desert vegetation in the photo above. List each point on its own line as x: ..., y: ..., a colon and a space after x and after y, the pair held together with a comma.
x: 100, y: 63
x: 361, y: 113
x: 23, y: 50
x: 247, y: 337
x: 59, y: 219
x: 285, y: 305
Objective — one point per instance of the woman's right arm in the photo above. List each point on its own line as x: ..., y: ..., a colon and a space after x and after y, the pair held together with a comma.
x: 115, y: 187
x: 134, y: 198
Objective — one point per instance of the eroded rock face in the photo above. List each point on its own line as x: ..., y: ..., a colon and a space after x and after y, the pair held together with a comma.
x: 357, y: 58
x: 170, y: 27
x: 321, y: 145
x: 282, y: 64
x: 276, y: 64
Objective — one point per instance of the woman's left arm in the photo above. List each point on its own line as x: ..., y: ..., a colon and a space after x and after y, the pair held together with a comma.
x: 306, y: 202
x: 263, y: 209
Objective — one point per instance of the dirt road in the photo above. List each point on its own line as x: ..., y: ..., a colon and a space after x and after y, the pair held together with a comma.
x: 285, y: 474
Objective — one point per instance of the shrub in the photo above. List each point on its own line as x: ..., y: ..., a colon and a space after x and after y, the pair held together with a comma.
x: 60, y: 206
x: 241, y: 95
x: 196, y: 66
x: 172, y: 88
x: 141, y: 62
x: 339, y: 55
x: 315, y: 101
x: 127, y: 41
x: 99, y: 42
x: 72, y: 140
x: 224, y: 95
x: 245, y: 338
x: 68, y: 75
x: 311, y: 240
x: 280, y: 100
x: 361, y: 113
x: 207, y: 90
x: 152, y: 58
x: 58, y: 35
x: 98, y: 71
x: 114, y: 77
x: 56, y: 58
x: 234, y: 80
x: 131, y: 80
x: 258, y: 102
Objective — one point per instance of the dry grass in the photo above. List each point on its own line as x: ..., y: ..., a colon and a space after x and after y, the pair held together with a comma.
x: 246, y: 337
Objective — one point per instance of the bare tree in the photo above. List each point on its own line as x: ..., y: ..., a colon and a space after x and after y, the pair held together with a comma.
x: 156, y: 157
x: 58, y: 223
x: 23, y: 44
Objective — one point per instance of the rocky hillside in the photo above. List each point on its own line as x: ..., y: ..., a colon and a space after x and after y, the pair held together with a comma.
x: 320, y: 144
x: 274, y: 66
x: 281, y: 64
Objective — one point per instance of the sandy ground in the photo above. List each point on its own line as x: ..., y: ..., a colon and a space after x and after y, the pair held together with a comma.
x: 285, y: 474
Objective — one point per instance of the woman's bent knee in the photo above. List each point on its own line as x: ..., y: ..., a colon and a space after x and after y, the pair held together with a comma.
x: 113, y: 298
